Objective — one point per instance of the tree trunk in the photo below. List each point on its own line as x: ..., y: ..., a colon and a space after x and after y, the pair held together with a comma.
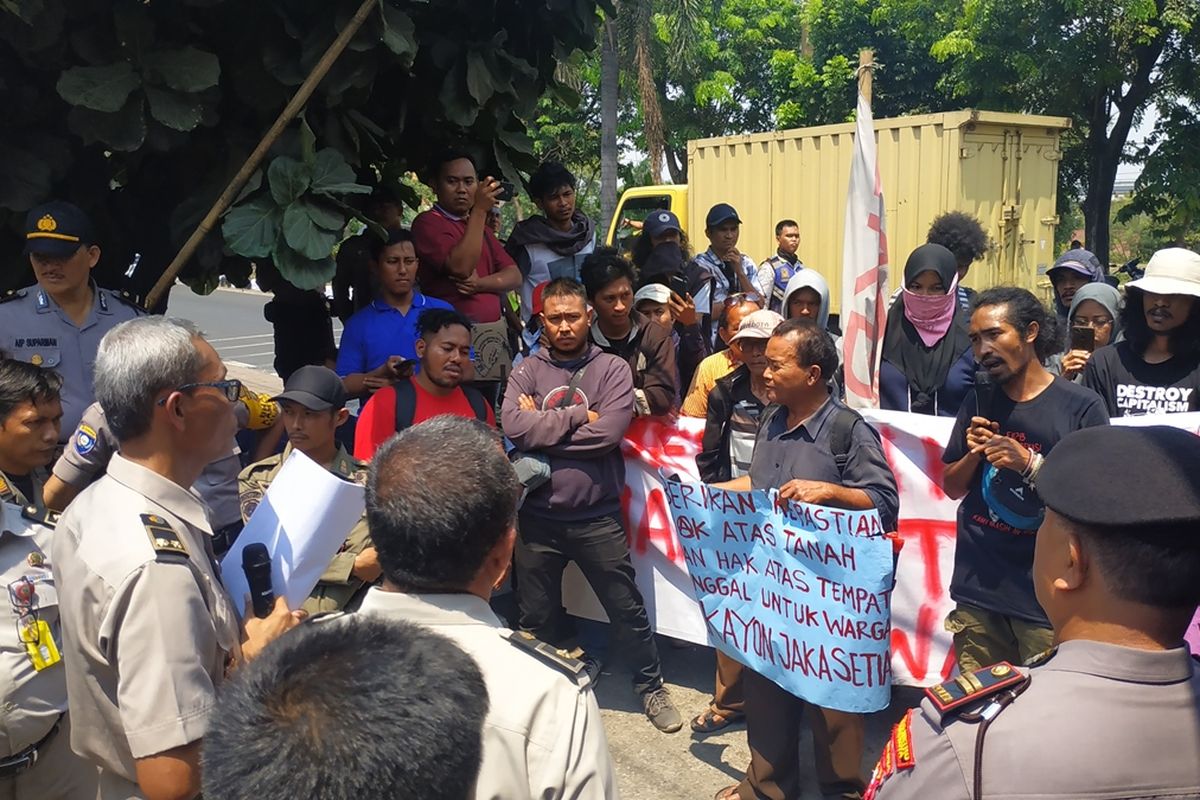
x: 651, y: 109
x: 610, y: 77
x: 676, y: 165
x: 1105, y: 147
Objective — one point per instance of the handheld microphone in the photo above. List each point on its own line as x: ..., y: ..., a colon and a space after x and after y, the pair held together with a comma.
x: 984, y: 393
x: 256, y: 563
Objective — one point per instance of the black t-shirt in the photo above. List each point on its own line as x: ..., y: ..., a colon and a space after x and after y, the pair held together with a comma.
x: 1000, y: 514
x: 1131, y: 387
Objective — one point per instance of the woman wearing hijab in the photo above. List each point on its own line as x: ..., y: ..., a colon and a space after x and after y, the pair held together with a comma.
x: 1072, y: 271
x: 1096, y: 306
x: 928, y: 366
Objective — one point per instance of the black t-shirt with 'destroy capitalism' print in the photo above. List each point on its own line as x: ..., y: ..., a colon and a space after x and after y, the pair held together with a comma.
x: 1000, y: 514
x: 1130, y: 386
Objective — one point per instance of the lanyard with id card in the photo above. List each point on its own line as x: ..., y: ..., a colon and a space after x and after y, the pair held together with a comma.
x: 33, y: 631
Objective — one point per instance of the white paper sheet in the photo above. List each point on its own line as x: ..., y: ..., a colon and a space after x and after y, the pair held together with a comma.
x: 305, y: 515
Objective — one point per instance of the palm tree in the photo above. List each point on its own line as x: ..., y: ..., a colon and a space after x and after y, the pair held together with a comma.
x: 628, y: 44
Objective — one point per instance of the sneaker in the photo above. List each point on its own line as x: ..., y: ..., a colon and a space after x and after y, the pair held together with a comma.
x: 661, y: 711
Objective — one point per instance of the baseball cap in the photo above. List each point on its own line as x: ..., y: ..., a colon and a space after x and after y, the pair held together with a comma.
x: 57, y: 229
x: 719, y: 213
x: 759, y: 325
x: 1170, y: 271
x: 660, y: 221
x: 315, y: 388
x: 535, y: 299
x: 1078, y: 260
x: 652, y: 291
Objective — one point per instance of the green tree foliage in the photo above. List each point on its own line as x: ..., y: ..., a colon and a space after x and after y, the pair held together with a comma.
x: 1167, y: 193
x: 141, y: 112
x: 1100, y: 62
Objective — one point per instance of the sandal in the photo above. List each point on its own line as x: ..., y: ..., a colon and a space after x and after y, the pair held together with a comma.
x: 713, y: 720
x: 728, y: 793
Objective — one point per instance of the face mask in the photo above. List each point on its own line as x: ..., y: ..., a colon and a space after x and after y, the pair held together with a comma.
x: 931, y: 314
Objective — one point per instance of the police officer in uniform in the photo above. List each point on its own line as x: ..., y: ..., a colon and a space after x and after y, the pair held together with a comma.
x: 59, y: 322
x: 89, y: 450
x: 1112, y: 710
x: 313, y: 403
x: 441, y: 500
x: 35, y: 751
x: 149, y: 631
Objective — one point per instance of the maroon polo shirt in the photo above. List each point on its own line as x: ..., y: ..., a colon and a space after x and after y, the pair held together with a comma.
x: 436, y: 232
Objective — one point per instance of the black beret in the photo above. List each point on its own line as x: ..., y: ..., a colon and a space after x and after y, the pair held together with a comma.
x: 1156, y: 483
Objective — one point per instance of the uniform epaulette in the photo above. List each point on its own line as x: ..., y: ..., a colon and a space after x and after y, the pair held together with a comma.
x: 971, y: 687
x: 163, y: 537
x: 43, y: 516
x: 554, y: 656
x: 13, y: 294
x: 130, y: 299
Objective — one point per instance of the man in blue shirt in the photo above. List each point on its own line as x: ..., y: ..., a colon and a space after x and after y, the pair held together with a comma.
x: 380, y: 337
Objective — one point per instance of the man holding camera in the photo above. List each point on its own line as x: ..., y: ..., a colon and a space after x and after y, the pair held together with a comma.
x: 461, y: 260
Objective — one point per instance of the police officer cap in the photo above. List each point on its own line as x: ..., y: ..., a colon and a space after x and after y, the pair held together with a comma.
x: 1157, y: 484
x: 57, y: 229
x: 315, y: 388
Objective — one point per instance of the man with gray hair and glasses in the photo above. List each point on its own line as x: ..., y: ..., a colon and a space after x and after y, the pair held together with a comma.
x: 148, y: 631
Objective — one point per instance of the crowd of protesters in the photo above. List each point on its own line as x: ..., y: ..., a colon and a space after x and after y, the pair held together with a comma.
x: 494, y: 384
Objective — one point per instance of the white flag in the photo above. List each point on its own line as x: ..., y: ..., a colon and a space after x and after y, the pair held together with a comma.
x: 864, y: 269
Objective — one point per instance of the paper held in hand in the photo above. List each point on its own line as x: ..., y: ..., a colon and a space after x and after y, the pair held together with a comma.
x: 303, y: 519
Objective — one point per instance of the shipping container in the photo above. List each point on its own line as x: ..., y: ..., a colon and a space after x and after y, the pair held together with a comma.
x: 1002, y: 168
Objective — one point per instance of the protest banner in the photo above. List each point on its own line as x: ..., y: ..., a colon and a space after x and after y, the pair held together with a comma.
x: 797, y: 592
x: 921, y: 649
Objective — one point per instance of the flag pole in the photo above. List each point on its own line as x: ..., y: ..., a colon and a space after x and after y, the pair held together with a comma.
x: 866, y: 72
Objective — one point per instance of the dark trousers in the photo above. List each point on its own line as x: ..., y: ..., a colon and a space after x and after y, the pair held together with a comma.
x: 773, y: 718
x: 728, y: 696
x: 598, y: 546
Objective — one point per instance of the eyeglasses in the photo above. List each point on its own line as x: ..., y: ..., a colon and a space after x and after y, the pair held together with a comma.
x: 232, y: 389
x: 737, y: 298
x: 1094, y: 322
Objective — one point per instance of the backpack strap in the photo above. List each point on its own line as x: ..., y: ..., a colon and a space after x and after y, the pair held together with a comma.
x: 841, y: 435
x: 406, y: 404
x: 571, y: 387
x: 479, y: 403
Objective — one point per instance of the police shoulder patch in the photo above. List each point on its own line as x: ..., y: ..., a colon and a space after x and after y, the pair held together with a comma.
x: 971, y: 687
x: 554, y: 656
x: 85, y: 439
x: 897, y: 755
x: 163, y: 537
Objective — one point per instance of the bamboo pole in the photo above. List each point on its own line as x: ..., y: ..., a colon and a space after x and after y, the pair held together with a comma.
x: 252, y: 162
x: 866, y: 72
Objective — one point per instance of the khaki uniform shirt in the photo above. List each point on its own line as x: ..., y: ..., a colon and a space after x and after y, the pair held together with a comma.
x: 543, y: 737
x: 337, y: 587
x: 147, y: 626
x: 1096, y: 721
x: 33, y: 328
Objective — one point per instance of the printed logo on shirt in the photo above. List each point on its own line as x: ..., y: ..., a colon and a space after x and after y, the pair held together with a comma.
x: 1134, y: 398
x: 554, y: 398
x: 85, y: 440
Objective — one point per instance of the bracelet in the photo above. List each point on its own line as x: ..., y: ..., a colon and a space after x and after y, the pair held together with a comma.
x: 1030, y: 473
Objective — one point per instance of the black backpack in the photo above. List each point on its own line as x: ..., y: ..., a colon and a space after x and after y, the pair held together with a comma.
x: 406, y: 403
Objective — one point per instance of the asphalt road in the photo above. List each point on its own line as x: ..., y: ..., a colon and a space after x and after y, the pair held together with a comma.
x: 649, y: 765
x: 233, y: 323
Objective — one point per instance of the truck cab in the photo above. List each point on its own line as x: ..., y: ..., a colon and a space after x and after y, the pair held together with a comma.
x: 637, y: 203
